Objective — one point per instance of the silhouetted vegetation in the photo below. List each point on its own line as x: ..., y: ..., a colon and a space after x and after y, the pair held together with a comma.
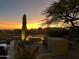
x: 57, y: 32
x: 66, y: 10
x: 74, y: 34
x: 70, y: 34
x: 25, y: 52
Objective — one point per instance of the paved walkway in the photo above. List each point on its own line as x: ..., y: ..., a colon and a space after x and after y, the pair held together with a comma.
x: 44, y: 54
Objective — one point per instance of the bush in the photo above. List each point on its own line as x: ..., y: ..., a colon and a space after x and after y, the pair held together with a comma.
x: 57, y: 33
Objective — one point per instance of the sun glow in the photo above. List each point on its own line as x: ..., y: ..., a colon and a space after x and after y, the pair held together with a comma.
x: 33, y: 26
x: 30, y: 25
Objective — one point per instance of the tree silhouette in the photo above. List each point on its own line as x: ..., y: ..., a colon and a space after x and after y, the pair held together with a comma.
x: 66, y: 10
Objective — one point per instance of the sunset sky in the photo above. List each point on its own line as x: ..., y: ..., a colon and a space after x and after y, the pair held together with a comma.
x: 11, y: 12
